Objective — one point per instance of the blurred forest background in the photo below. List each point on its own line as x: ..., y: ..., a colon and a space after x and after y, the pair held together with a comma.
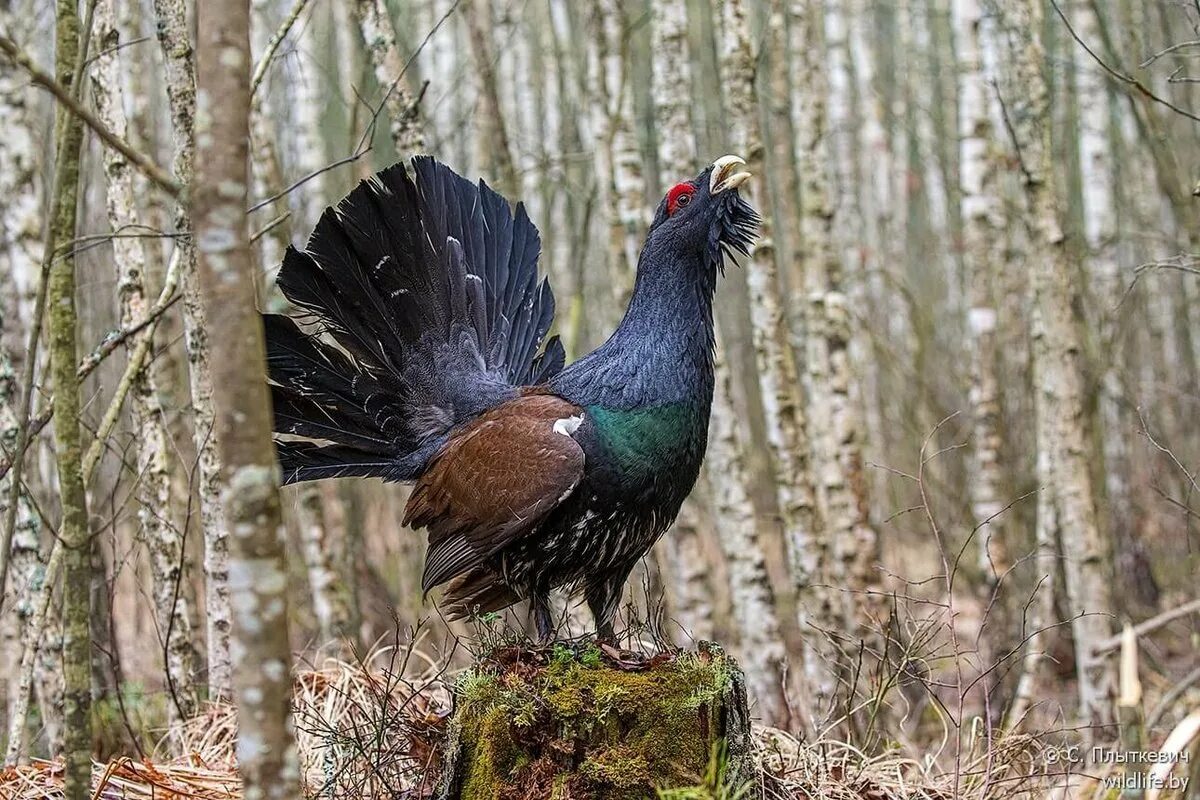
x: 954, y: 445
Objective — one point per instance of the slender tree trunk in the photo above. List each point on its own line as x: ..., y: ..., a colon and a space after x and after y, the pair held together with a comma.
x: 21, y: 222
x: 176, y: 45
x: 23, y: 550
x: 618, y: 160
x: 304, y: 143
x: 20, y: 259
x: 73, y: 529
x: 1038, y: 627
x: 849, y: 545
x: 388, y: 63
x: 1060, y: 401
x: 161, y: 537
x: 331, y: 600
x: 268, y: 168
x: 478, y: 14
x: 1113, y: 425
x: 760, y: 640
x: 691, y: 594
x: 982, y: 245
x: 786, y: 427
x: 257, y: 566
x: 878, y: 209
x: 691, y: 588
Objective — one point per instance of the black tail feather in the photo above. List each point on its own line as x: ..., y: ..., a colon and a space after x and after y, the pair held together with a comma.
x: 426, y: 309
x: 305, y: 461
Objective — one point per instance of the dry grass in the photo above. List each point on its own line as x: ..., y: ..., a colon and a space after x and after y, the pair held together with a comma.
x: 368, y: 728
x: 834, y: 770
x: 360, y: 728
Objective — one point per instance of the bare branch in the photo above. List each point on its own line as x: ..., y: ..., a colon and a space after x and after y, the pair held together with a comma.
x: 1152, y: 624
x: 64, y: 96
x: 1128, y: 80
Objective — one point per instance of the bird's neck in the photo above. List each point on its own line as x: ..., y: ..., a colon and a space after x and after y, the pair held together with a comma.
x: 662, y: 352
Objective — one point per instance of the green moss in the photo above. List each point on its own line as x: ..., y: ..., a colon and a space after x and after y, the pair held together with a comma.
x: 619, y: 769
x: 568, y: 725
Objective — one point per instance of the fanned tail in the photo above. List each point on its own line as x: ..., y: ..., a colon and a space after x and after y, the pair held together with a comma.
x: 423, y: 309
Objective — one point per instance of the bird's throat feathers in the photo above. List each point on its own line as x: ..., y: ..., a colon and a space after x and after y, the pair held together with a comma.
x: 662, y: 351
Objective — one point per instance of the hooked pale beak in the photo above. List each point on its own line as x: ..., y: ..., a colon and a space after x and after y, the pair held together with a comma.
x: 725, y: 174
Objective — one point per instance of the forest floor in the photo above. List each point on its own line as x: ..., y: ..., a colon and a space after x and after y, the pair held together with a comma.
x: 373, y: 727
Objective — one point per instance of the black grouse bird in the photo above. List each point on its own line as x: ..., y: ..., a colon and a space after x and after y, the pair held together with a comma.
x: 420, y: 360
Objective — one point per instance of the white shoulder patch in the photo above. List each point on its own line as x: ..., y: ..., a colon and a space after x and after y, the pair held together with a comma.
x: 568, y: 425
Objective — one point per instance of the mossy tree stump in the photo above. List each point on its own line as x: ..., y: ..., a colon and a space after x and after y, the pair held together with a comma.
x: 568, y: 723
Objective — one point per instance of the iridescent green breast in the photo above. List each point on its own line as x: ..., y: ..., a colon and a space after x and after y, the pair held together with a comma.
x: 648, y: 439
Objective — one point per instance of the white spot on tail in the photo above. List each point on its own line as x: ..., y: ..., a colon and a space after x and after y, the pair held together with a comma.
x: 568, y: 425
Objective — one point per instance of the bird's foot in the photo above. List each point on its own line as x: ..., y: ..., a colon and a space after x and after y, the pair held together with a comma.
x: 628, y: 660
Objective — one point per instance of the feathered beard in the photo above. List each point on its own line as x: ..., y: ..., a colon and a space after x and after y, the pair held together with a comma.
x: 734, y: 231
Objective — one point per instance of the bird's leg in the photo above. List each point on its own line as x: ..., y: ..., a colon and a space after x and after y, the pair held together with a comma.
x: 605, y: 633
x: 602, y: 600
x: 541, y: 617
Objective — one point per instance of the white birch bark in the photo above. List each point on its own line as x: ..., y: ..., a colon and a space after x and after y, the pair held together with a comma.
x: 20, y: 258
x: 176, y: 45
x: 618, y: 160
x: 263, y: 683
x: 1100, y: 234
x: 878, y: 209
x: 330, y: 599
x: 1040, y: 619
x: 670, y: 82
x: 849, y: 545
x: 23, y: 555
x: 760, y: 642
x: 162, y: 538
x: 691, y: 591
x: 786, y: 426
x: 1060, y: 402
x: 983, y: 242
x: 496, y: 147
x: 388, y: 63
x: 268, y: 167
x: 21, y: 222
x: 303, y: 143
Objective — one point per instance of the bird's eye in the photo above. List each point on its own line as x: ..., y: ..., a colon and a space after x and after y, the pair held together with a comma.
x: 679, y: 197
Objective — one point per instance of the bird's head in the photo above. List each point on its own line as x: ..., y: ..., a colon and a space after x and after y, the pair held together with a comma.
x: 706, y: 217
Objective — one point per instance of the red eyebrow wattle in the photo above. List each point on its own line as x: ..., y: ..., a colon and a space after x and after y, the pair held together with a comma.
x: 676, y: 192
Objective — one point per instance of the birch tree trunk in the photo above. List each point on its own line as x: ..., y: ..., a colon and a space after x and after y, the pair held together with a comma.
x: 23, y: 549
x: 761, y: 644
x: 618, y: 160
x: 786, y: 428
x: 21, y: 223
x: 1060, y: 402
x: 983, y: 239
x: 849, y: 544
x: 268, y: 167
x: 176, y: 45
x: 388, y: 64
x: 161, y: 537
x: 878, y: 206
x: 330, y: 595
x: 733, y: 513
x: 676, y: 156
x: 73, y: 528
x: 478, y: 14
x: 20, y: 259
x: 1039, y: 625
x: 1099, y: 209
x: 257, y: 566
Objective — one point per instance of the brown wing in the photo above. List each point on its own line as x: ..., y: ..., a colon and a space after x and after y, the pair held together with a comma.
x: 494, y: 482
